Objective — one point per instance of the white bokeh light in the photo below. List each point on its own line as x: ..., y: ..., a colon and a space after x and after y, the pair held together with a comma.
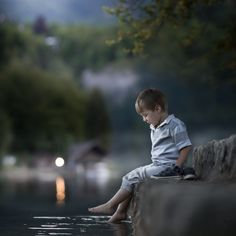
x: 59, y: 162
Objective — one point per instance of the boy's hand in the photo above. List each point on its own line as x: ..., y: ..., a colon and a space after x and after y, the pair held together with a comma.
x: 171, y: 171
x: 178, y: 170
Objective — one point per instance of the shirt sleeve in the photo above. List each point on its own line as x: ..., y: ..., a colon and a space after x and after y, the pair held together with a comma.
x: 180, y: 136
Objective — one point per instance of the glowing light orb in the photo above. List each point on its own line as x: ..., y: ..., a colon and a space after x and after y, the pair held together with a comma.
x: 59, y: 162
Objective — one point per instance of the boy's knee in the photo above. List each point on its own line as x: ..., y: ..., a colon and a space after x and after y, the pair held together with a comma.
x: 125, y: 179
x: 126, y: 184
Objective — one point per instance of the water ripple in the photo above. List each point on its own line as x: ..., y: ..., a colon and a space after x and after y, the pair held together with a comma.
x: 78, y: 225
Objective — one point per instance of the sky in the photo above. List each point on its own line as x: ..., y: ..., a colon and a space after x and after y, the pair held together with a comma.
x: 59, y: 11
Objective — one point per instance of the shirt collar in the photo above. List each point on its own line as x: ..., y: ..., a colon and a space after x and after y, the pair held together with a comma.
x: 166, y: 121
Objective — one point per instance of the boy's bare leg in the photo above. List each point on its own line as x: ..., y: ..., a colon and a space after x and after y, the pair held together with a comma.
x: 121, y: 212
x: 110, y: 206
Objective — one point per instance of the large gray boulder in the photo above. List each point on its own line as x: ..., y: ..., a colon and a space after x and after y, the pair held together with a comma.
x: 185, y: 209
x: 206, y: 207
x: 216, y: 160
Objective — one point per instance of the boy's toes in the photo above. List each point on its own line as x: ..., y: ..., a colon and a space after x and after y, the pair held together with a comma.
x: 117, y: 218
x: 102, y: 209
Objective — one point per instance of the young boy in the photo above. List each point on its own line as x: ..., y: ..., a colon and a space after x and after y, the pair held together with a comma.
x: 170, y: 148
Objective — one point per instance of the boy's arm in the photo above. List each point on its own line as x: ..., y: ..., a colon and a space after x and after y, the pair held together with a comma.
x: 183, y: 155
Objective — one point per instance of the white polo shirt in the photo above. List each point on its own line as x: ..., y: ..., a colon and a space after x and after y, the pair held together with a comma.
x: 167, y: 140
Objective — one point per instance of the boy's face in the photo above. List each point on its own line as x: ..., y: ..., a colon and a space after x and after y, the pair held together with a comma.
x: 152, y: 117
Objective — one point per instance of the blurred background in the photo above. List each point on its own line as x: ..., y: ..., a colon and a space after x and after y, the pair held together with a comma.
x: 70, y: 72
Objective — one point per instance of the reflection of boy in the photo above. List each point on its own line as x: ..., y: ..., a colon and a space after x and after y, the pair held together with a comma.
x: 170, y: 148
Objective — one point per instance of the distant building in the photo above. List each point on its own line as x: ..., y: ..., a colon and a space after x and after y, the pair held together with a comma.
x: 40, y: 25
x: 85, y: 154
x: 51, y: 41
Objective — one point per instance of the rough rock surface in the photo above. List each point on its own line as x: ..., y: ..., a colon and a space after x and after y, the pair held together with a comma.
x: 206, y: 207
x: 216, y: 160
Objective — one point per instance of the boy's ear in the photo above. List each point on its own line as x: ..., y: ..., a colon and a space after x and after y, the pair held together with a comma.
x: 158, y: 107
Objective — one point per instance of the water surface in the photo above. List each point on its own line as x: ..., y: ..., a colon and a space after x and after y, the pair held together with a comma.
x: 51, y: 204
x: 76, y: 225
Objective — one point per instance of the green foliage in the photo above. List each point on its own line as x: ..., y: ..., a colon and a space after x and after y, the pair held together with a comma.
x: 5, y: 133
x: 45, y: 113
x: 41, y: 106
x: 11, y: 43
x: 201, y: 30
x: 97, y: 122
x: 142, y: 20
x: 85, y: 47
x: 77, y: 48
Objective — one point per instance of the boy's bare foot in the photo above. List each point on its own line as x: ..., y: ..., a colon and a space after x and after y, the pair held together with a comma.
x: 102, y: 209
x: 117, y: 217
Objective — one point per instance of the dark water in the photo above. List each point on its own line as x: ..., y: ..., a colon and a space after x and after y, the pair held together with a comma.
x: 76, y: 225
x: 56, y: 205
x: 62, y: 225
x: 45, y: 202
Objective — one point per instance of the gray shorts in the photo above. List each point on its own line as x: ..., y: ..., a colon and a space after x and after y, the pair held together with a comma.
x: 139, y: 174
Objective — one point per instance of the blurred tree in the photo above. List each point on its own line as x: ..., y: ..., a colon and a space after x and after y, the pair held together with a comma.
x: 11, y: 42
x: 44, y: 109
x: 97, y: 122
x: 5, y: 133
x: 40, y: 25
x: 76, y: 48
x: 46, y: 113
x: 204, y: 30
x: 85, y: 47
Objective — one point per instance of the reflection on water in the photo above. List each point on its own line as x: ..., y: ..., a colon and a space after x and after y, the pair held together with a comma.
x: 52, y: 201
x: 60, y: 190
x: 49, y: 201
x: 77, y: 225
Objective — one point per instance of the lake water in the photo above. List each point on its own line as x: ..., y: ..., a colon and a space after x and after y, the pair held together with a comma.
x: 50, y: 204
x: 63, y: 225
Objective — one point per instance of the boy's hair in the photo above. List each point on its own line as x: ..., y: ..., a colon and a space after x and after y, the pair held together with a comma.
x: 149, y: 98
